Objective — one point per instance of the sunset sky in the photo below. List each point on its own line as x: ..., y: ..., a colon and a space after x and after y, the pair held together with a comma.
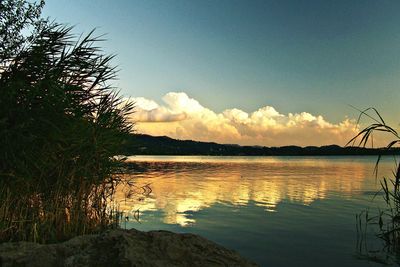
x: 249, y: 72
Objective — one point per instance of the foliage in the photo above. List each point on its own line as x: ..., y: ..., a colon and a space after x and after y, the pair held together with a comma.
x: 17, y: 16
x: 61, y: 126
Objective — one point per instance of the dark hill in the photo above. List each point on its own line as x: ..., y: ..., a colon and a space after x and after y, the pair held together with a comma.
x: 142, y: 144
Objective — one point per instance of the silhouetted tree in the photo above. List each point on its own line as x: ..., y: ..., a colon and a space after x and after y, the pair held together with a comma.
x: 20, y: 21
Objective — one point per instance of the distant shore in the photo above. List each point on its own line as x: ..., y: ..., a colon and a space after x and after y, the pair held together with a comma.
x: 141, y: 144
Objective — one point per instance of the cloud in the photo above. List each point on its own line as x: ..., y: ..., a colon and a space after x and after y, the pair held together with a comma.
x: 183, y: 117
x: 149, y: 111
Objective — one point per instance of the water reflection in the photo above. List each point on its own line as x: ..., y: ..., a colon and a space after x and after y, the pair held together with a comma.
x: 185, y: 185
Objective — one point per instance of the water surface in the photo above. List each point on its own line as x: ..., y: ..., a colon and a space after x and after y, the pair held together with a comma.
x: 277, y: 211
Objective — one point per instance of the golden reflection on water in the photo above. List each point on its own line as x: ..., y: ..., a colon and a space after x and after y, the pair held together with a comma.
x: 183, y: 185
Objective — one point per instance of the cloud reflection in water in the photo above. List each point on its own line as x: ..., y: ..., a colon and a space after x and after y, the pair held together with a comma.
x: 182, y: 186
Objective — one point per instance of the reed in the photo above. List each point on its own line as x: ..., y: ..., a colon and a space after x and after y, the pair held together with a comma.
x: 386, y: 220
x: 61, y: 125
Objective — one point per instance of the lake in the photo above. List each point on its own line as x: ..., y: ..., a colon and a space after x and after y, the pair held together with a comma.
x: 277, y: 211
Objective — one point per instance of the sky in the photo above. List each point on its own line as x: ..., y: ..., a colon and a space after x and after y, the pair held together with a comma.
x: 249, y: 72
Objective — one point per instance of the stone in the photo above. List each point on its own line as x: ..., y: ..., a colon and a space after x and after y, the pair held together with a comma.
x: 123, y: 248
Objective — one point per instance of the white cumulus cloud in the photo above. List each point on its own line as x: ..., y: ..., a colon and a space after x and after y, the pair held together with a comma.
x: 147, y: 110
x: 182, y: 117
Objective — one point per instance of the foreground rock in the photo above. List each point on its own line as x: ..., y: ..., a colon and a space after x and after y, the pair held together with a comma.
x: 123, y: 248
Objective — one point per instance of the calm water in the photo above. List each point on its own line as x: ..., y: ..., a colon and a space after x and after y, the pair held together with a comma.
x: 277, y: 211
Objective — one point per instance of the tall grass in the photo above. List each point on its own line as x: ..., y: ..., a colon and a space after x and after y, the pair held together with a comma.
x: 61, y: 125
x: 386, y: 220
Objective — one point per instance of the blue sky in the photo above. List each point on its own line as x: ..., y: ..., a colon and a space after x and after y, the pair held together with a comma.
x: 296, y: 56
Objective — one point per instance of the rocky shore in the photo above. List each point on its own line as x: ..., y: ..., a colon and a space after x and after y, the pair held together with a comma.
x: 123, y: 248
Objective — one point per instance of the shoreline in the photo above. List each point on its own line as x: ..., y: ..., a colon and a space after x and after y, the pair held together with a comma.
x: 119, y: 247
